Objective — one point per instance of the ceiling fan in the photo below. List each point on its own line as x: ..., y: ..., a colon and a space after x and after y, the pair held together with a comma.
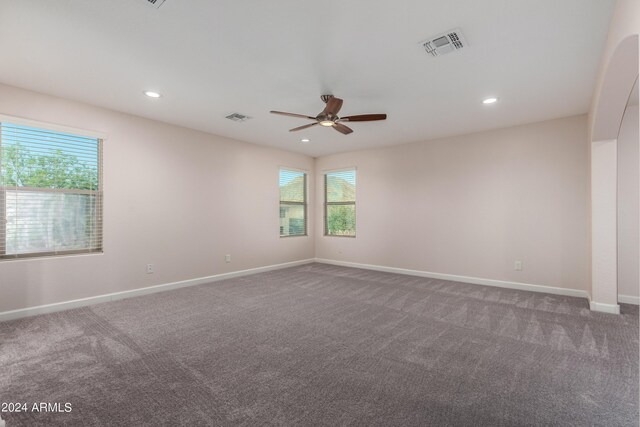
x: 329, y: 116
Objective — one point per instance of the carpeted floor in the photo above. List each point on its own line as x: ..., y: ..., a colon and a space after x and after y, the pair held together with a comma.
x: 326, y: 345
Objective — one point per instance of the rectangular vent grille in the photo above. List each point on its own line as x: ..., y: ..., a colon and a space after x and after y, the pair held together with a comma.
x: 455, y: 40
x: 237, y: 117
x: 442, y: 44
x: 155, y: 3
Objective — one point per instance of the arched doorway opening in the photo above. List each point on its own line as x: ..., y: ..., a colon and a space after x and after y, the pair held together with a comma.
x: 619, y: 80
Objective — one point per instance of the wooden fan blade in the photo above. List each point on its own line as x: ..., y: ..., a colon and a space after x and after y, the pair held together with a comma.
x: 342, y: 128
x: 333, y: 106
x: 364, y: 118
x: 303, y: 127
x: 302, y: 116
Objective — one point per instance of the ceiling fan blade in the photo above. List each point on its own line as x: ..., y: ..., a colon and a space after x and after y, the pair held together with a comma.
x: 302, y: 116
x: 333, y: 106
x: 303, y: 127
x: 364, y: 118
x: 342, y: 128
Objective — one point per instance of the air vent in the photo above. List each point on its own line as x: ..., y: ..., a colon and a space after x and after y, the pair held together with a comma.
x: 155, y: 3
x: 444, y: 43
x: 237, y: 117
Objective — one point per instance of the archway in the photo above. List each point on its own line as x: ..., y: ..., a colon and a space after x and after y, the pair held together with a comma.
x: 618, y: 82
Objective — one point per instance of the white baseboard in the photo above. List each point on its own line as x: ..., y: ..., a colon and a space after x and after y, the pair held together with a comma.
x: 66, y: 305
x: 604, y: 308
x: 628, y: 299
x: 466, y: 279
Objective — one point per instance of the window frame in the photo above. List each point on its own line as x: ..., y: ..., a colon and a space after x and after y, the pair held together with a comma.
x: 304, y: 203
x: 98, y: 193
x: 327, y: 203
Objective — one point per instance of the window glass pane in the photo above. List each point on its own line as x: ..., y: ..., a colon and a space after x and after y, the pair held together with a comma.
x: 292, y: 221
x: 48, y: 222
x: 293, y: 202
x: 341, y: 186
x: 291, y: 186
x: 50, y: 192
x: 44, y: 159
x: 341, y: 220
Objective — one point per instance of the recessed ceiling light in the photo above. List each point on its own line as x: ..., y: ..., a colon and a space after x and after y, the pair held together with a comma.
x: 305, y: 140
x: 152, y: 94
x: 489, y: 100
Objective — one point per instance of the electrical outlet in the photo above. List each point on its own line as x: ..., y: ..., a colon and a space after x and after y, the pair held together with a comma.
x: 149, y: 268
x: 227, y: 258
x: 517, y: 266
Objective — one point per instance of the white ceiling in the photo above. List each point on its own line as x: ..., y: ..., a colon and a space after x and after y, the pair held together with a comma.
x: 211, y: 58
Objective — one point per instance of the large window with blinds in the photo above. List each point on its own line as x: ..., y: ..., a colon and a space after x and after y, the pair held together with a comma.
x: 340, y: 203
x: 293, y: 203
x: 50, y: 192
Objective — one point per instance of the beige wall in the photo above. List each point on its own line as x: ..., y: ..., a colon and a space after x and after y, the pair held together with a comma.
x: 181, y: 199
x: 472, y: 205
x: 174, y: 197
x: 628, y: 212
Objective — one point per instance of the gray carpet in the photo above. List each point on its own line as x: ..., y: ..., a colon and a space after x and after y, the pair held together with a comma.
x: 325, y: 345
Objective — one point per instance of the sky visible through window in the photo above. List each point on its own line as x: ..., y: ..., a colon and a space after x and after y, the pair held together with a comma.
x: 286, y: 176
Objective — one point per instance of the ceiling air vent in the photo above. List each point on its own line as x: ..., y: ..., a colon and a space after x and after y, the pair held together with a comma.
x: 237, y: 117
x: 444, y: 43
x: 155, y: 3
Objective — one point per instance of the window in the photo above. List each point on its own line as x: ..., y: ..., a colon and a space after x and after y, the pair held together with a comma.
x: 340, y: 203
x: 293, y: 203
x: 50, y: 192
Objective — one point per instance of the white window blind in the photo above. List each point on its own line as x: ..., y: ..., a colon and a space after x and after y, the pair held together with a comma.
x: 293, y: 203
x: 50, y: 192
x: 340, y: 203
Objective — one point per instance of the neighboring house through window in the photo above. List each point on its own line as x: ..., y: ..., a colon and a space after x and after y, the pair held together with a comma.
x: 50, y: 192
x: 340, y: 203
x: 293, y: 203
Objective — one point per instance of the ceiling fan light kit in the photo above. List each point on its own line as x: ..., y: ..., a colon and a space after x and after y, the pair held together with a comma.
x: 329, y: 116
